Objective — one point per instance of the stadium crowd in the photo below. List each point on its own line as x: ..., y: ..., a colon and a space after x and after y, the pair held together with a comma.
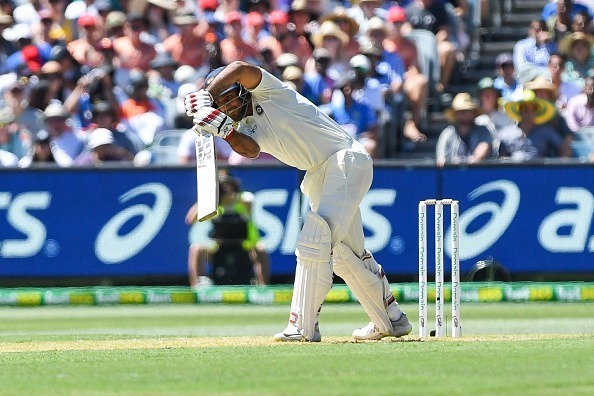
x: 93, y: 81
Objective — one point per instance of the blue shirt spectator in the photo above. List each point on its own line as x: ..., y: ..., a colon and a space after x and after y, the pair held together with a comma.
x: 550, y: 10
x: 356, y: 117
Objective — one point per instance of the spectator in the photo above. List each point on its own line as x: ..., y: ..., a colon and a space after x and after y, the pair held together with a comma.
x: 551, y: 9
x: 546, y: 90
x: 27, y: 59
x: 7, y: 47
x: 140, y: 113
x: 157, y: 13
x: 304, y: 20
x: 494, y: 116
x: 356, y: 117
x: 84, y: 50
x: 255, y: 28
x: 582, y: 22
x: 70, y: 141
x: 47, y: 32
x: 534, y: 51
x: 162, y: 82
x: 349, y: 26
x: 234, y: 48
x: 463, y: 141
x: 566, y: 90
x: 94, y: 86
x: 371, y: 91
x: 294, y: 75
x: 102, y: 8
x: 30, y: 120
x: 330, y: 36
x: 70, y: 68
x: 432, y: 15
x: 364, y: 10
x: 288, y: 40
x: 57, y: 7
x: 532, y: 137
x: 43, y: 151
x: 188, y: 46
x: 283, y: 61
x: 319, y: 81
x: 580, y: 109
x: 114, y: 24
x: 559, y: 24
x: 132, y: 51
x: 416, y: 84
x: 277, y: 26
x: 102, y: 148
x: 577, y: 47
x: 29, y: 112
x: 11, y: 138
x: 53, y: 73
x: 104, y: 115
x: 233, y: 225
x: 506, y: 81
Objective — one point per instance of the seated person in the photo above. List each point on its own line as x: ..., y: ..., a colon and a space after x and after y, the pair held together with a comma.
x: 355, y: 116
x: 233, y: 227
x: 463, y: 141
x: 580, y: 109
x: 532, y: 137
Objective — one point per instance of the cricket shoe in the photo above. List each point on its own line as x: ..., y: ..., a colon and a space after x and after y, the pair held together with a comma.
x: 292, y: 333
x: 400, y: 327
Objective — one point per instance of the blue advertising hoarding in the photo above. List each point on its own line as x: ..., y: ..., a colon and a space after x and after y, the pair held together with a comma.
x: 130, y: 222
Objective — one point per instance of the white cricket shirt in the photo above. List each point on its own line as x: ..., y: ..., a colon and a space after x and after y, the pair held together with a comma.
x: 290, y: 127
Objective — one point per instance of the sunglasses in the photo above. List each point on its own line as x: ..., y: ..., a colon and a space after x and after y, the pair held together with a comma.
x: 529, y: 107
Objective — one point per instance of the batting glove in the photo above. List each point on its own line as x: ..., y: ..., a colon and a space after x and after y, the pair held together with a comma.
x: 194, y: 101
x: 214, y: 121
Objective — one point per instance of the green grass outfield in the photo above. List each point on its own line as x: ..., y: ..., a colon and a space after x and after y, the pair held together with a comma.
x: 506, y: 349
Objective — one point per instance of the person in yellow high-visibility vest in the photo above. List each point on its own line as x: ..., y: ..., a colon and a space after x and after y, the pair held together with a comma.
x: 232, y: 202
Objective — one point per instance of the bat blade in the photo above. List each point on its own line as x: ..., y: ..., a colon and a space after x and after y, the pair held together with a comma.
x: 206, y: 178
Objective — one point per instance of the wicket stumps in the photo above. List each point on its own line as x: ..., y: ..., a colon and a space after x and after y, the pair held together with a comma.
x: 439, y: 267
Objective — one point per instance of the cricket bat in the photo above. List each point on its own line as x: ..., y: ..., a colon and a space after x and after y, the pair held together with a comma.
x: 206, y: 177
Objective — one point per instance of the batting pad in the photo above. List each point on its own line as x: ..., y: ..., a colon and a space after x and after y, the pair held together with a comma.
x: 313, y: 275
x: 366, y: 285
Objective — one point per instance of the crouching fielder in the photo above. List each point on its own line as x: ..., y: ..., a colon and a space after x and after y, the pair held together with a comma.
x: 254, y: 112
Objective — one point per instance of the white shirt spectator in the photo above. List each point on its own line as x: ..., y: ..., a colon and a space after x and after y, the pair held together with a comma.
x: 8, y: 159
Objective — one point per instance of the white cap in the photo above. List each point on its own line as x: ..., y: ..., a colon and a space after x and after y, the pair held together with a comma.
x: 17, y: 32
x: 100, y: 137
x: 360, y: 61
x: 287, y: 59
x: 185, y: 74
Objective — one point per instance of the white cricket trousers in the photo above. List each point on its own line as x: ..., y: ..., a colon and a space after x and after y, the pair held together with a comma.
x: 336, y: 189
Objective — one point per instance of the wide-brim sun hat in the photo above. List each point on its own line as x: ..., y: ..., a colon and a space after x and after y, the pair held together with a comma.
x: 185, y: 19
x: 541, y: 82
x: 329, y: 28
x: 567, y: 42
x: 544, y: 113
x: 168, y: 5
x: 340, y: 14
x: 462, y: 102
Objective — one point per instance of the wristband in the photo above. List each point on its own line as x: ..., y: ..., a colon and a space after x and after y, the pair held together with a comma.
x: 230, y: 134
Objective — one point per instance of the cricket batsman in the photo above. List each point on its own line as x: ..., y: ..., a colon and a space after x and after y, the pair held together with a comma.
x: 253, y: 111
